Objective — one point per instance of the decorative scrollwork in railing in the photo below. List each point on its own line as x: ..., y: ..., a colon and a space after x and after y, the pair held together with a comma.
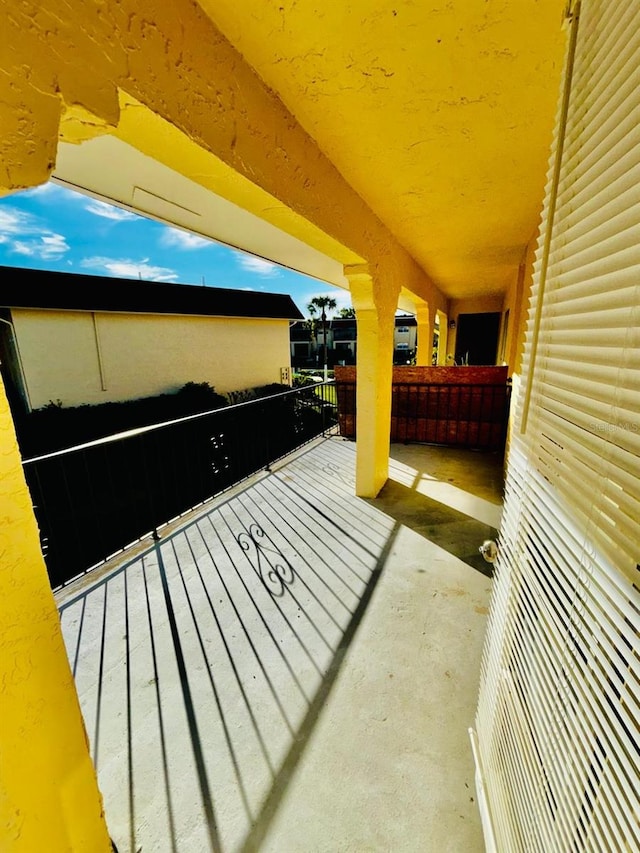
x: 332, y: 469
x: 272, y: 567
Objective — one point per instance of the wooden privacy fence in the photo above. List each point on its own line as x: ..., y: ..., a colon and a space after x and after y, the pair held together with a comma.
x: 456, y: 406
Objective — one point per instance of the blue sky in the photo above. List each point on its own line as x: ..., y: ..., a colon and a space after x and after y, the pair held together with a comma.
x: 53, y: 228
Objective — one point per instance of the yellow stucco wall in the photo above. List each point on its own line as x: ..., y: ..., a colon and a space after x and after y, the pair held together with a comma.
x: 439, y: 114
x: 49, y: 800
x: 423, y: 332
x: 144, y: 354
x: 198, y: 107
x: 443, y: 337
x: 225, y: 120
x: 375, y: 302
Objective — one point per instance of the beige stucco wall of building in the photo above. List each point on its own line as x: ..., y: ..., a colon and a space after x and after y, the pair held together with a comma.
x: 78, y: 357
x: 410, y: 337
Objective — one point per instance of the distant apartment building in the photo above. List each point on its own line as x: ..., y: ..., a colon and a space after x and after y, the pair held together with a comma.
x: 405, y: 339
x: 307, y: 343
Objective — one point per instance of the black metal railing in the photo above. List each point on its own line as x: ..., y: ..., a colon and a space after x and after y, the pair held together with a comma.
x: 94, y: 499
x: 451, y: 414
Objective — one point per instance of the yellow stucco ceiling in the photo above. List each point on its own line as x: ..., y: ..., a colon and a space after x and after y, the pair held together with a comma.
x: 439, y: 113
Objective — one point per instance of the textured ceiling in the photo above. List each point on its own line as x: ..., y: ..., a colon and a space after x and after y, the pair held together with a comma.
x: 439, y: 114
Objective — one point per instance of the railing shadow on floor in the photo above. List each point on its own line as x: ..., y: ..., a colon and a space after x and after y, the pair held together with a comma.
x: 202, y: 665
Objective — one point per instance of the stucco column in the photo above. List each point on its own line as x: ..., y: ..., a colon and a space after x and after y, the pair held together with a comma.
x: 425, y: 321
x: 442, y: 337
x: 49, y: 798
x: 375, y: 304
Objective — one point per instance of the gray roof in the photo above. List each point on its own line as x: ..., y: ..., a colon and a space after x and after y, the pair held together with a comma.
x: 27, y: 288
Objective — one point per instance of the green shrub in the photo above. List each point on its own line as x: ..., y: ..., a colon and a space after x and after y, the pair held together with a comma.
x: 54, y: 426
x: 302, y: 380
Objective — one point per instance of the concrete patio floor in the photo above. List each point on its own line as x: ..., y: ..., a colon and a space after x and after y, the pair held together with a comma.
x: 292, y: 668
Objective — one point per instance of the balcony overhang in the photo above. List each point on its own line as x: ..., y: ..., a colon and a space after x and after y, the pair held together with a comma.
x: 111, y: 169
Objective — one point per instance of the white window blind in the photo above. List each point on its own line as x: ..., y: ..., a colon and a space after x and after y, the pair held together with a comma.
x: 558, y: 723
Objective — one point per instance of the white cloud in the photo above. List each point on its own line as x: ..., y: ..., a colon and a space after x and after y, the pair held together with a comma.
x: 47, y: 248
x: 177, y: 239
x: 125, y: 268
x: 14, y: 221
x: 257, y: 266
x: 108, y: 211
x: 51, y: 193
x: 25, y: 235
x: 22, y: 248
x: 42, y: 189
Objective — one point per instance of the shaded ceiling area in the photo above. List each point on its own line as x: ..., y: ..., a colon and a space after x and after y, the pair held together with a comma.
x: 439, y: 114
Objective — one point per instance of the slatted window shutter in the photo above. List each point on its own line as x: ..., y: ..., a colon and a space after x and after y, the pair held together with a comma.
x: 558, y: 723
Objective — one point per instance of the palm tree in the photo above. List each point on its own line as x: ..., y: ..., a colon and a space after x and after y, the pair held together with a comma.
x: 322, y: 304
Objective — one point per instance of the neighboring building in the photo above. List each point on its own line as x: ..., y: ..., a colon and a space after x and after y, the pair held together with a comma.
x: 306, y: 349
x: 342, y: 337
x: 405, y: 339
x: 302, y: 345
x: 86, y: 339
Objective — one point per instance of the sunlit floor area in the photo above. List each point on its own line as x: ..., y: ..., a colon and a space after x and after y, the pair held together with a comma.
x: 292, y: 668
